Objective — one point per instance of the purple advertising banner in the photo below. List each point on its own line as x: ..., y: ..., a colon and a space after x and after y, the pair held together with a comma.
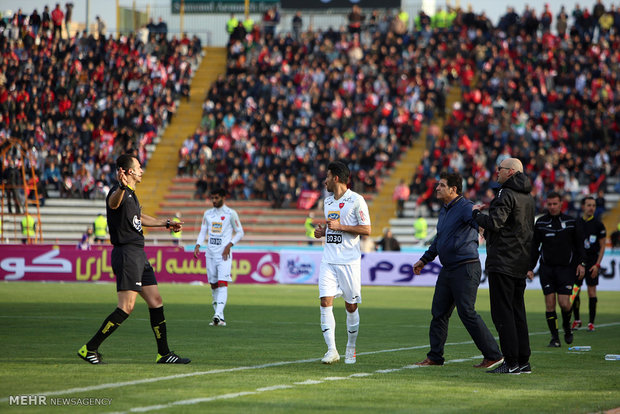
x: 381, y: 269
x: 396, y: 269
x: 171, y: 264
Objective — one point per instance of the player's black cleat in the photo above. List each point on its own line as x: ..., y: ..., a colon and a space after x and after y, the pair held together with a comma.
x: 171, y: 358
x: 92, y: 357
x: 554, y: 343
x: 568, y: 337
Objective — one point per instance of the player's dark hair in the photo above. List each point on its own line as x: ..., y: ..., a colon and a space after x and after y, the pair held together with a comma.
x: 453, y: 180
x: 125, y: 161
x: 554, y: 194
x: 218, y: 191
x: 340, y: 170
x: 586, y: 198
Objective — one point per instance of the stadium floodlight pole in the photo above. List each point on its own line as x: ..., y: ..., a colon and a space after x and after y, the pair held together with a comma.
x: 182, y: 15
x: 118, y: 19
x: 87, y: 15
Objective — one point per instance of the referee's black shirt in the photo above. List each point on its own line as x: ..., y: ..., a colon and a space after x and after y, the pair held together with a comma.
x: 557, y: 241
x: 124, y: 223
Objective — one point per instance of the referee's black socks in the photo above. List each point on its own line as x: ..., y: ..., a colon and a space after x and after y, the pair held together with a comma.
x: 566, y: 314
x: 158, y: 323
x: 552, y: 322
x: 593, y: 308
x: 108, y: 326
x: 576, y: 305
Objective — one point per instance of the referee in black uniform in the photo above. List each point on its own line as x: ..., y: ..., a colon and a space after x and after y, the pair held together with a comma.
x: 594, y: 234
x: 559, y: 245
x: 134, y: 274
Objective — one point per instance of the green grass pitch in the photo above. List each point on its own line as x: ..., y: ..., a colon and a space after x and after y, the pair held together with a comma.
x: 267, y: 359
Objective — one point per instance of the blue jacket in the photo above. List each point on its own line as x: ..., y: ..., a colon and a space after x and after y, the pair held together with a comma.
x: 457, y: 235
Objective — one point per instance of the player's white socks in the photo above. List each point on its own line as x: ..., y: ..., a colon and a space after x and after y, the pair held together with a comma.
x: 328, y: 326
x: 353, y: 326
x: 215, y: 292
x: 222, y: 297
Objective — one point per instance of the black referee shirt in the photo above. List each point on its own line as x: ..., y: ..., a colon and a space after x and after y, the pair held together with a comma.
x: 556, y: 241
x: 125, y: 222
x: 592, y: 231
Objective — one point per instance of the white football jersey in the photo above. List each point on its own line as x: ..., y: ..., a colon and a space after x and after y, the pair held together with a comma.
x: 351, y: 210
x: 218, y: 224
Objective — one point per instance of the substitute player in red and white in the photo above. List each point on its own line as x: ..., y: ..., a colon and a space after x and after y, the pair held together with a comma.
x: 346, y: 219
x: 218, y: 225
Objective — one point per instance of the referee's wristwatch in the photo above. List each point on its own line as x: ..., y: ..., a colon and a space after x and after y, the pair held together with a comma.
x: 583, y: 264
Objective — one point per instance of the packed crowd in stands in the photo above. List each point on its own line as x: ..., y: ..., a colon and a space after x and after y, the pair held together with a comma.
x: 77, y: 102
x: 289, y: 103
x: 286, y: 107
x: 539, y: 87
x: 548, y: 98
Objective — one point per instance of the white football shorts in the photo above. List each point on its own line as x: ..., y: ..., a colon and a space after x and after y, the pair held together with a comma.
x: 341, y: 280
x: 218, y: 269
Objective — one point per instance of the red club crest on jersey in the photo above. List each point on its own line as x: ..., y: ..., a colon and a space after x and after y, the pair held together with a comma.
x: 341, y: 205
x: 223, y: 217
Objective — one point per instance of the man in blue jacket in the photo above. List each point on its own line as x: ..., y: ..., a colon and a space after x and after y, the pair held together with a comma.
x: 456, y: 244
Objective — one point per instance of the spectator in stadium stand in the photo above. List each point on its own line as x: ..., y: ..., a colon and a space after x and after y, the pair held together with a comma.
x: 346, y: 219
x: 57, y: 18
x: 296, y: 25
x: 456, y: 244
x: 400, y: 195
x: 559, y: 245
x: 271, y: 19
x: 594, y: 236
x: 508, y: 230
x: 35, y: 22
x: 46, y: 20
x: 100, y: 27
x: 388, y: 243
x: 600, y: 204
x: 221, y: 229
x: 86, y: 241
x: 68, y: 17
x: 356, y: 20
x: 134, y: 274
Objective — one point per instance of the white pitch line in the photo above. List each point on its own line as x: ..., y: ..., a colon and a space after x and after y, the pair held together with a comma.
x: 276, y: 387
x: 245, y: 368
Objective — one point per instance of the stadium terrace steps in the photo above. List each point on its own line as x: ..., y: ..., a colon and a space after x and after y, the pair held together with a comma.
x: 162, y: 167
x: 262, y: 224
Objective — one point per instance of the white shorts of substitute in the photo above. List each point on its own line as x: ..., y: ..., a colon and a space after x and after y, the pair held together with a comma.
x: 341, y: 280
x: 218, y: 269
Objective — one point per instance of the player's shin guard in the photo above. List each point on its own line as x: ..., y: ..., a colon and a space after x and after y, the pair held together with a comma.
x: 552, y: 323
x: 576, y: 305
x: 158, y: 324
x: 108, y: 326
x: 592, y: 306
x: 353, y: 325
x: 328, y: 326
x: 222, y: 297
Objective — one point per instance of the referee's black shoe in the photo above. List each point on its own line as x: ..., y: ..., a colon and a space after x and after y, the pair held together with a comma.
x: 92, y: 357
x: 171, y: 358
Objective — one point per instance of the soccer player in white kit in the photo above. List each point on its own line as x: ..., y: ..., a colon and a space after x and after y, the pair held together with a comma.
x: 347, y: 218
x: 219, y: 223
